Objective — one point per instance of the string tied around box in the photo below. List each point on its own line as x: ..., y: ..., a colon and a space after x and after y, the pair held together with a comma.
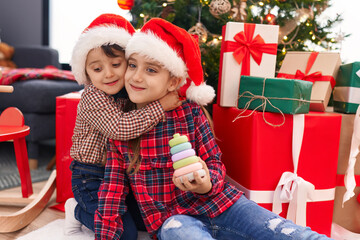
x: 265, y: 101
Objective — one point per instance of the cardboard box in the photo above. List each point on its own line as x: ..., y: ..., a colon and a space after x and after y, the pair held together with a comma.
x: 66, y: 110
x: 256, y: 155
x: 347, y: 89
x: 282, y: 95
x: 320, y: 68
x: 231, y: 69
x: 348, y: 216
x: 347, y: 127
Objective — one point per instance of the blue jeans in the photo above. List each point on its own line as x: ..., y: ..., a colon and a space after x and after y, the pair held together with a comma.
x: 86, y: 180
x: 243, y: 220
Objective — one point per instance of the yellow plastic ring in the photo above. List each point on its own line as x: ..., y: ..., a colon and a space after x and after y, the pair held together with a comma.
x: 184, y: 162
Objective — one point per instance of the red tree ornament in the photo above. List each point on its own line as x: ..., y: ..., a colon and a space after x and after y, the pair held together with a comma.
x: 270, y: 18
x: 125, y: 4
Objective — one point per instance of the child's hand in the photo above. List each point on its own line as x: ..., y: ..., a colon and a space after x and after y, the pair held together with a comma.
x: 170, y: 101
x: 199, y: 185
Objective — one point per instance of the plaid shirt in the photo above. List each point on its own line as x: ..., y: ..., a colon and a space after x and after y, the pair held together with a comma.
x: 99, y: 117
x: 156, y: 195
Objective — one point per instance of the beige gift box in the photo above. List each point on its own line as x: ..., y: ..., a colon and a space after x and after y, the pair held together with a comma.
x: 327, y: 63
x: 348, y: 216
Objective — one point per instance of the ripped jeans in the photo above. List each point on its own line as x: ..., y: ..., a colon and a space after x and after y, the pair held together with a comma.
x: 244, y: 220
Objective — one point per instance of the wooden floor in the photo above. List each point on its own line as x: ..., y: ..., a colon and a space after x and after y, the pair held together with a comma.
x: 48, y: 215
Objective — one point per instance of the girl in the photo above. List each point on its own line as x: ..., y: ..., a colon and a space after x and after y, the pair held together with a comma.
x: 98, y: 61
x: 160, y: 57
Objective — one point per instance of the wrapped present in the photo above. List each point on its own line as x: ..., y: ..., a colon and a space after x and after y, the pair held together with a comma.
x: 320, y: 68
x: 347, y: 216
x: 66, y: 109
x: 347, y: 89
x: 246, y: 49
x: 265, y: 160
x: 346, y: 205
x: 274, y: 95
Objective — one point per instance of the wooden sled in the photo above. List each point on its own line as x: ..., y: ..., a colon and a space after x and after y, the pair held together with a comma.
x: 13, y: 128
x: 35, y: 205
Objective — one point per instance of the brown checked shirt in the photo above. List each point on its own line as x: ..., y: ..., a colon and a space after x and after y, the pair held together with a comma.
x: 100, y: 117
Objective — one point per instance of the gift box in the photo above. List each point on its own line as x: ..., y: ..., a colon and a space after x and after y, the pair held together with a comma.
x: 246, y: 49
x: 320, y: 68
x: 347, y: 89
x: 66, y: 109
x: 274, y: 95
x: 258, y: 156
x: 347, y: 215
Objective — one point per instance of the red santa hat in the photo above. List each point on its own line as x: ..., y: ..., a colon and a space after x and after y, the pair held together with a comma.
x: 105, y: 29
x: 178, y: 51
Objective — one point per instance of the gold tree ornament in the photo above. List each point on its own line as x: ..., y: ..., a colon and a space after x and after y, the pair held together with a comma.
x: 200, y: 30
x: 219, y: 7
x: 303, y: 14
x: 285, y: 30
x: 321, y: 7
x: 238, y: 11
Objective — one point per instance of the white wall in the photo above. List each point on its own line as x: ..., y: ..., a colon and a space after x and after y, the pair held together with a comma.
x: 350, y: 11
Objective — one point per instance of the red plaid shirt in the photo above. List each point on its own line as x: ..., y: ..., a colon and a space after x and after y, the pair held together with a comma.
x: 100, y: 117
x: 156, y: 195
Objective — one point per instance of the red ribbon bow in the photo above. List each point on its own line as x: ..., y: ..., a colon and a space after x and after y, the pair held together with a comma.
x: 246, y: 46
x: 316, y: 76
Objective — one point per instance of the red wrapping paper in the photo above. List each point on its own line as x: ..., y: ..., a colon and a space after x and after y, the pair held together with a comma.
x: 256, y: 154
x: 66, y: 109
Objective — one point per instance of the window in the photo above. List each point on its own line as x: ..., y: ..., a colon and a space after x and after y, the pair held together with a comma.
x: 68, y: 18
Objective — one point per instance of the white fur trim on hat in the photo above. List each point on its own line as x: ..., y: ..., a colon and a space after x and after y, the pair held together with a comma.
x: 150, y: 45
x: 94, y: 38
x: 202, y: 94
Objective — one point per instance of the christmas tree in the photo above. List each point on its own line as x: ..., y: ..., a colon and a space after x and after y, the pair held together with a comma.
x: 300, y: 27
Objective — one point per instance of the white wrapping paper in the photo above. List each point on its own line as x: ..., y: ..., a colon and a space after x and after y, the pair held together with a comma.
x: 347, y: 94
x: 291, y: 187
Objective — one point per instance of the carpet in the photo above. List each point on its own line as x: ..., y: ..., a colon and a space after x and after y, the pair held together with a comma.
x: 54, y: 231
x: 9, y: 174
x: 340, y: 233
